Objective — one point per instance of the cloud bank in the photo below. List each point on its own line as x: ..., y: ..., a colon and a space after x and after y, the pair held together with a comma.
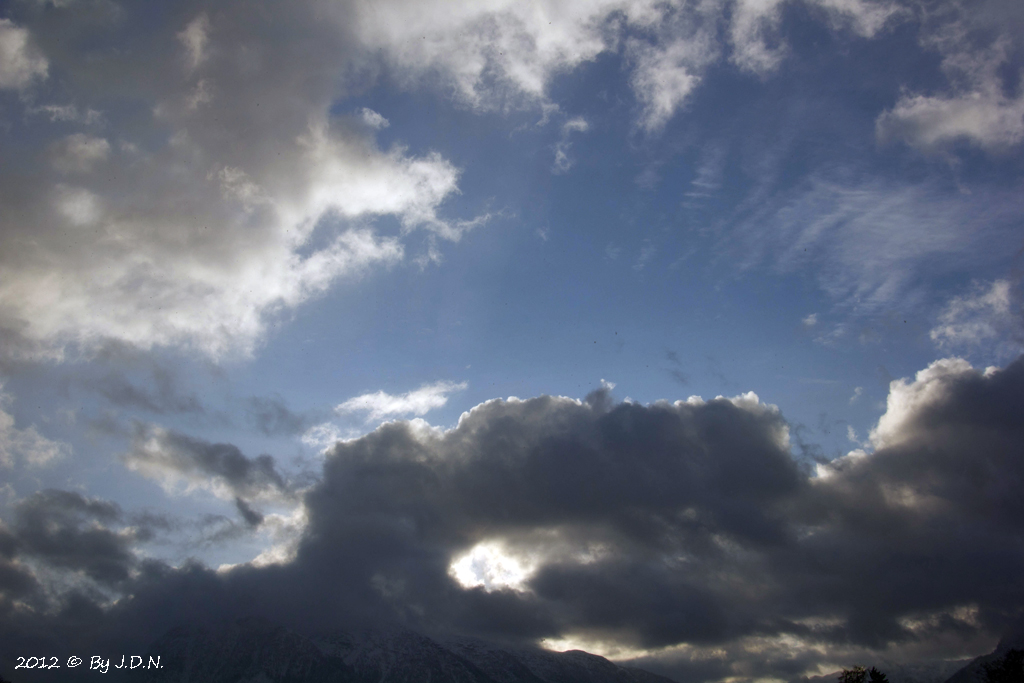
x: 680, y: 530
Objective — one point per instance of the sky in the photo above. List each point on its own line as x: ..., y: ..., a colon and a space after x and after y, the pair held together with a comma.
x: 683, y: 332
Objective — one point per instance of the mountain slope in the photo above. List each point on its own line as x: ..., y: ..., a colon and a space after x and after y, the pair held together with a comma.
x: 255, y: 651
x: 974, y: 672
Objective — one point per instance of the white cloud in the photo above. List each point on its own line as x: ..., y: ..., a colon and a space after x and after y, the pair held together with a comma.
x: 975, y: 107
x: 983, y: 318
x: 78, y: 153
x: 857, y: 393
x: 666, y: 73
x: 490, y: 54
x: 865, y: 17
x: 76, y: 205
x: 753, y: 23
x: 985, y: 116
x: 757, y: 45
x: 198, y: 240
x: 195, y: 39
x: 25, y: 445
x: 907, y: 399
x: 418, y: 402
x: 497, y: 54
x: 373, y: 119
x: 811, y: 320
x: 500, y: 53
x: 285, y: 532
x: 577, y: 124
x: 20, y: 61
x: 563, y: 162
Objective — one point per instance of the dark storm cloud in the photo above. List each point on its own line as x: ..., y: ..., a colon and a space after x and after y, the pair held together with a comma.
x: 932, y: 519
x: 69, y: 531
x: 651, y: 525
x: 15, y: 581
x: 252, y: 517
x: 172, y: 457
x: 629, y: 509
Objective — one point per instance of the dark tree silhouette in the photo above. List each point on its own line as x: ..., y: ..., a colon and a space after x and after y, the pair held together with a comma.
x: 855, y: 675
x: 876, y: 676
x: 1009, y: 669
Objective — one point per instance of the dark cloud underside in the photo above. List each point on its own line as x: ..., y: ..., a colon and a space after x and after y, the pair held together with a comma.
x: 655, y: 525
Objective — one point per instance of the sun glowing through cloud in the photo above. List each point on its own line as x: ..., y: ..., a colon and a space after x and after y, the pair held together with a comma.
x: 488, y: 565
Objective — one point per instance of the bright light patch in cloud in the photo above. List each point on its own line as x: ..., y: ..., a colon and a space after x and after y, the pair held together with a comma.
x: 418, y: 402
x: 602, y: 648
x: 487, y: 565
x: 907, y: 399
x: 285, y: 531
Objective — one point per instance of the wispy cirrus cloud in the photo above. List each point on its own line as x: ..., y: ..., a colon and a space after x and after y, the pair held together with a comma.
x: 869, y: 241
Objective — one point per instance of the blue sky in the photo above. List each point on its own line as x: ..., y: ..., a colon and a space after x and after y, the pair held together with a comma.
x: 233, y: 229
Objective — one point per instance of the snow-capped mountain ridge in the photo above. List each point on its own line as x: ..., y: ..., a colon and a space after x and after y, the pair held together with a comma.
x: 256, y: 651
